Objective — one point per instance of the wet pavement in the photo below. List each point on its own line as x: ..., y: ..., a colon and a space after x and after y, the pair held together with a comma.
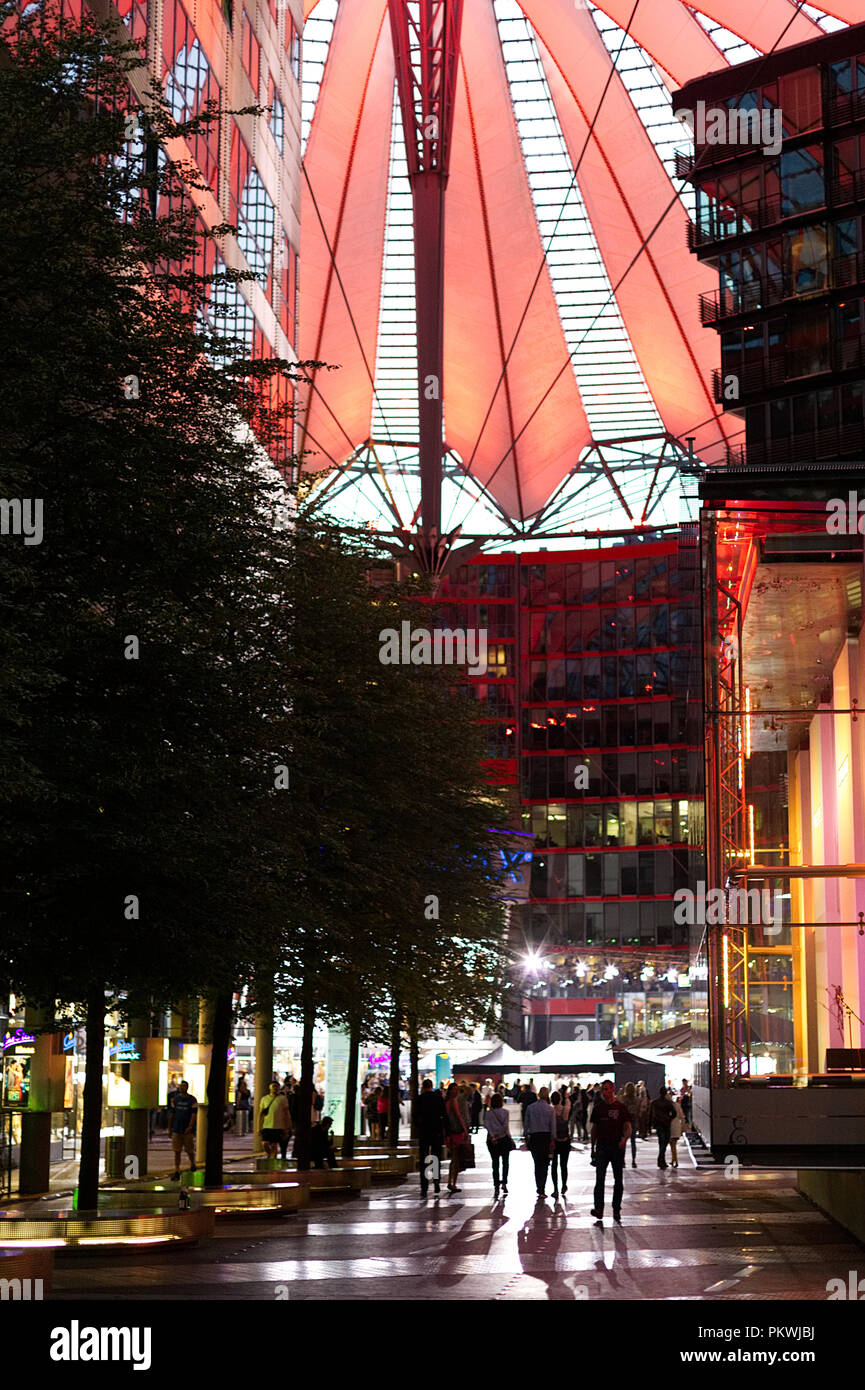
x: 686, y: 1233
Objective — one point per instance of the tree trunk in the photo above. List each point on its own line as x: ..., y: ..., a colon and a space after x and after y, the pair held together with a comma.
x: 414, y: 1069
x: 393, y: 1118
x: 303, y: 1123
x: 351, y: 1088
x: 91, y: 1118
x: 216, y: 1080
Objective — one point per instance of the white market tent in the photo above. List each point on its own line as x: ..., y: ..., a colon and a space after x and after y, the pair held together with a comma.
x: 565, y: 1057
x: 502, y: 1059
x: 458, y: 1052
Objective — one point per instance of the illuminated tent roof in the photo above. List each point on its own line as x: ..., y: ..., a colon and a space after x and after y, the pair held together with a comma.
x: 548, y: 346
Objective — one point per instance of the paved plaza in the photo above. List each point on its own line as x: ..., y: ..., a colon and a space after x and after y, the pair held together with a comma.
x: 688, y: 1233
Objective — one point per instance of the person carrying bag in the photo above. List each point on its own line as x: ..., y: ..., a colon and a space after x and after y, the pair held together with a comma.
x: 497, y: 1123
x: 457, y: 1138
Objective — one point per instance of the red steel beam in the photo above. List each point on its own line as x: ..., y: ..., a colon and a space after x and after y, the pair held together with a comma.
x: 426, y: 39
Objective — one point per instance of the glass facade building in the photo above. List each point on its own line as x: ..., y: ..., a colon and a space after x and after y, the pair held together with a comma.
x: 779, y: 997
x: 229, y: 57
x: 591, y: 702
x: 783, y: 225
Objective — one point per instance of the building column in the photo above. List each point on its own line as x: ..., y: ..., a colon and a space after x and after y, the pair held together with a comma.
x: 263, y: 1066
x: 136, y: 1121
x: 205, y: 1036
x: 35, y: 1163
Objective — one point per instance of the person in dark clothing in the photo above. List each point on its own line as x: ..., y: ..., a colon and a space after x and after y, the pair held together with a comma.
x: 611, y: 1126
x: 499, y: 1142
x: 321, y: 1144
x: 475, y: 1107
x: 663, y: 1113
x: 287, y: 1133
x: 540, y: 1131
x: 430, y: 1121
x: 562, y: 1107
x: 527, y: 1098
x: 585, y: 1096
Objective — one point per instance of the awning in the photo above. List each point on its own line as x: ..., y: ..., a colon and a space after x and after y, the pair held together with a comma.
x: 502, y: 1059
x: 565, y: 1056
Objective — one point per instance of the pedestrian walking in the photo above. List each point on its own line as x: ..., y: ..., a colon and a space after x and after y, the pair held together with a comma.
x: 527, y: 1097
x: 611, y: 1127
x: 475, y: 1107
x: 575, y: 1117
x: 184, y: 1108
x: 562, y: 1108
x: 539, y: 1128
x: 662, y: 1114
x: 383, y: 1111
x: 456, y: 1134
x: 590, y: 1105
x: 372, y: 1111
x: 242, y: 1100
x: 677, y: 1125
x: 463, y: 1103
x: 500, y: 1145
x: 642, y: 1110
x: 431, y: 1123
x: 274, y: 1118
x: 685, y: 1100
x: 632, y: 1106
x: 288, y: 1130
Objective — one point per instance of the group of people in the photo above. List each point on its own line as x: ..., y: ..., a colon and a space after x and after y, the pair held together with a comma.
x: 277, y: 1118
x: 598, y: 1115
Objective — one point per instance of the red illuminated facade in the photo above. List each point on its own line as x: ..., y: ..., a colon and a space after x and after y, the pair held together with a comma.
x: 591, y: 701
x: 233, y: 55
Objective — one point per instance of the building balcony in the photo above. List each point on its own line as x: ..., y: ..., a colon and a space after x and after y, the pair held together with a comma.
x: 844, y: 109
x: 763, y: 213
x: 767, y: 290
x: 768, y: 373
x: 835, y: 441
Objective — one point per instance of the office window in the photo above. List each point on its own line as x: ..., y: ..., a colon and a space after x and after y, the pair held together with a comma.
x: 277, y: 117
x: 612, y: 825
x: 288, y: 292
x: 799, y: 98
x: 592, y: 678
x: 626, y: 687
x: 625, y: 628
x: 573, y: 583
x: 594, y: 875
x: 557, y: 825
x: 573, y: 680
x: 646, y: 874
x: 556, y: 680
x: 190, y: 87
x: 228, y: 313
x: 591, y: 583
x: 645, y: 823
x: 292, y: 45
x: 801, y: 180
x: 256, y: 215
x: 555, y: 583
x: 250, y: 50
x: 663, y: 772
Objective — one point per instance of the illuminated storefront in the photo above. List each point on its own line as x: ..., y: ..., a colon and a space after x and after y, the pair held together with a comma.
x: 780, y: 998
